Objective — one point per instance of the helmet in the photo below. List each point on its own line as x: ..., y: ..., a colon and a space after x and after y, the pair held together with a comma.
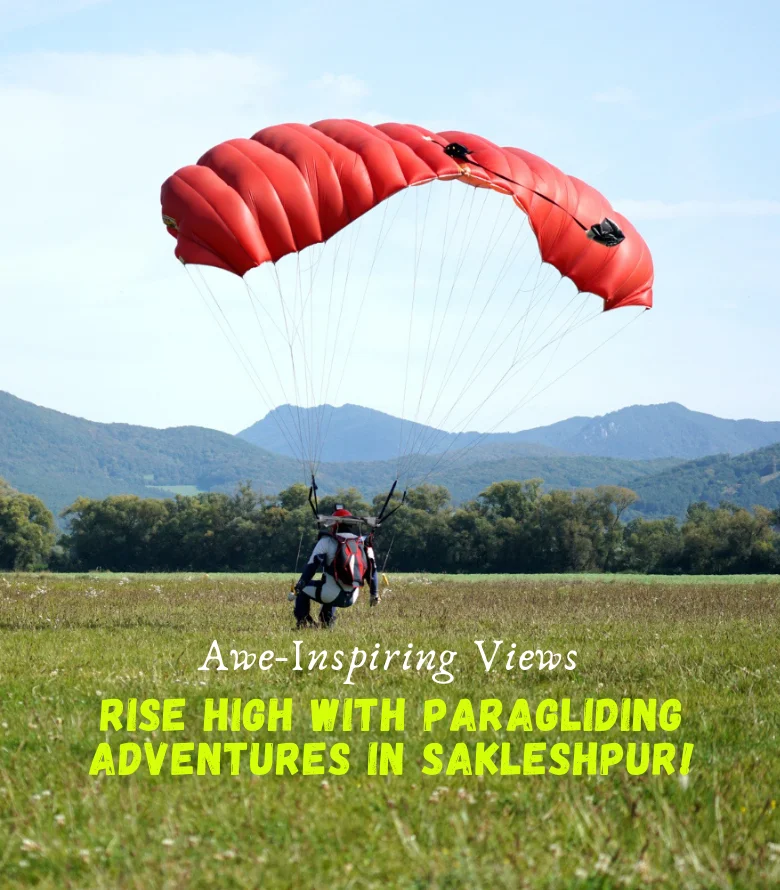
x: 341, y: 513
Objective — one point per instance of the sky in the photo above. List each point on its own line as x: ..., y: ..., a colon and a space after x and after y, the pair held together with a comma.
x: 671, y: 110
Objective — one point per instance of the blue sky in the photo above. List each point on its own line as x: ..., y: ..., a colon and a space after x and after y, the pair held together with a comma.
x: 672, y: 110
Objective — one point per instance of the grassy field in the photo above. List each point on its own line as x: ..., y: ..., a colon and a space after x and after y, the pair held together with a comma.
x: 67, y: 642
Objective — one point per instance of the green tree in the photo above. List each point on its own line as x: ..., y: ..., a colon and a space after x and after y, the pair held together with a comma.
x: 429, y: 498
x: 728, y: 540
x: 417, y: 536
x: 6, y: 489
x: 27, y: 532
x: 611, y: 502
x: 350, y: 498
x: 512, y: 500
x: 563, y: 535
x: 652, y: 546
x: 471, y: 541
x: 511, y: 527
x: 296, y: 497
x: 118, y: 533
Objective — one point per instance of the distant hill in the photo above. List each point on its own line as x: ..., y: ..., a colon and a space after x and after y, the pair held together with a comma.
x: 355, y: 433
x: 644, y: 432
x: 59, y: 458
x: 641, y: 432
x: 465, y: 480
x: 746, y: 480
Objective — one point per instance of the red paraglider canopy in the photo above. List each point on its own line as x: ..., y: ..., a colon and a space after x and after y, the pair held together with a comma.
x: 250, y: 201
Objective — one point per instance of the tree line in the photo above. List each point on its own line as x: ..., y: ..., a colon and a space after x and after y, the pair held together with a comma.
x: 511, y: 527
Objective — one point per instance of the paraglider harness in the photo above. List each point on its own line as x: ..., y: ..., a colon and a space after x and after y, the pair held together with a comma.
x: 355, y: 558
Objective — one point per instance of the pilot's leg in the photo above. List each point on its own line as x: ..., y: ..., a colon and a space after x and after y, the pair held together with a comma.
x: 328, y: 615
x: 302, y: 607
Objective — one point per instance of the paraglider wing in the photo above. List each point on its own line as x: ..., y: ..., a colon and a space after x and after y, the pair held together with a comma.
x: 250, y: 201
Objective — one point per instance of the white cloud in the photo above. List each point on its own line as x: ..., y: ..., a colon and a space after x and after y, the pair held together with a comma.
x: 342, y: 86
x: 17, y: 14
x: 696, y: 209
x: 616, y: 96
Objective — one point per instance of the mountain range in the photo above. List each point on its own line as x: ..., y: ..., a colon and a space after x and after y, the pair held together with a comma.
x: 60, y: 457
x: 641, y: 432
x: 747, y: 480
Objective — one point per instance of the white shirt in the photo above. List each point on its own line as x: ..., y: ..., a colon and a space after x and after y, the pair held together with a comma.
x: 327, y: 546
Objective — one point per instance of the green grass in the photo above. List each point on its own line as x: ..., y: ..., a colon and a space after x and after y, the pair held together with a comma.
x: 68, y: 641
